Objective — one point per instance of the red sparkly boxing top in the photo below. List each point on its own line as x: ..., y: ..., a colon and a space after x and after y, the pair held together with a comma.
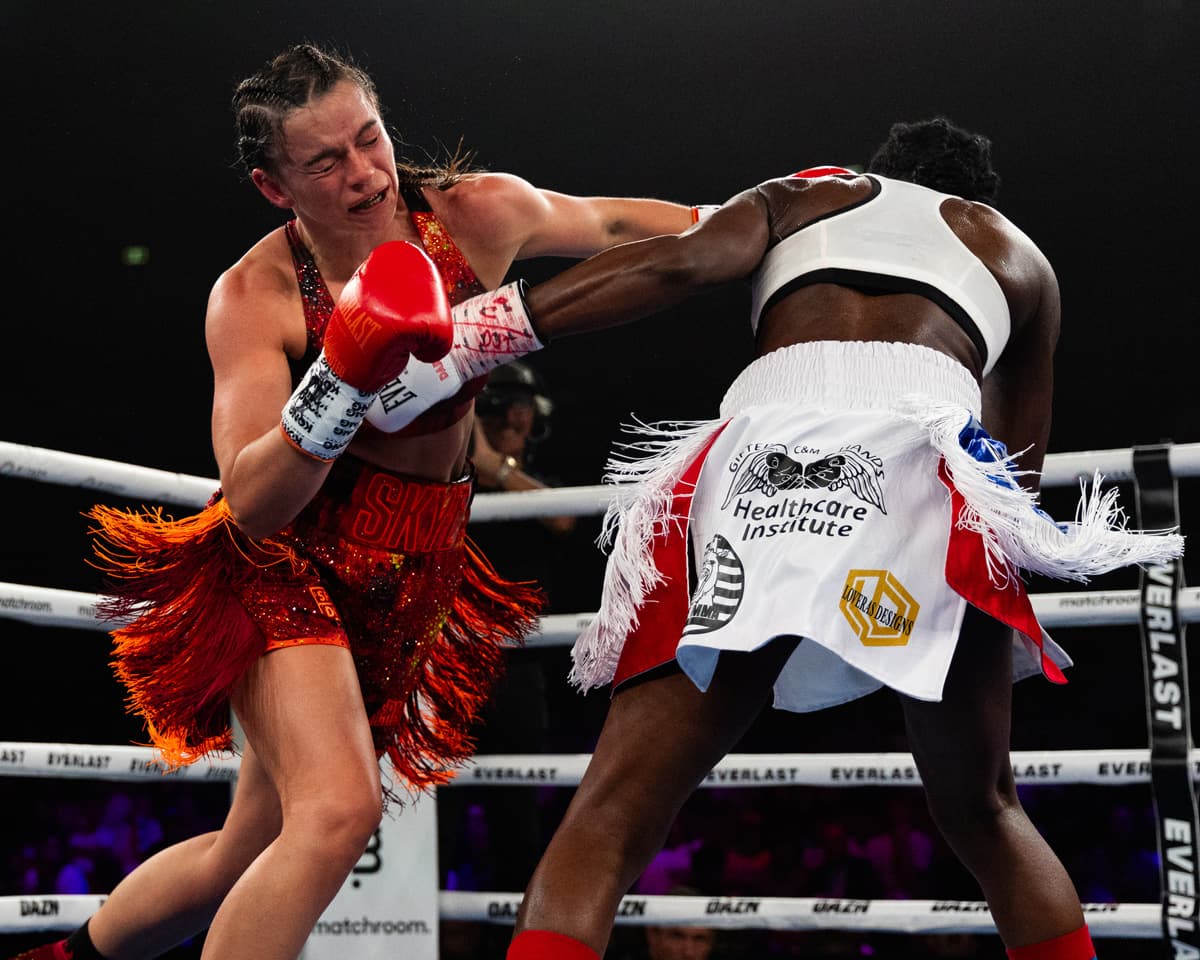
x: 457, y: 277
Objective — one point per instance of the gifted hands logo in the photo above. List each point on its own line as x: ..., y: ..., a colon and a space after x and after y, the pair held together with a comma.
x: 770, y: 469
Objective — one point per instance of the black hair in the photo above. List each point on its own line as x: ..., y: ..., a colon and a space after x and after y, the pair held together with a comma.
x: 512, y: 382
x: 291, y: 80
x: 938, y: 154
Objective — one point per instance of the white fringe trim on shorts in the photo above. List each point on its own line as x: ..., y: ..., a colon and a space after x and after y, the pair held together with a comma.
x: 631, y: 524
x: 840, y: 375
x: 1016, y: 533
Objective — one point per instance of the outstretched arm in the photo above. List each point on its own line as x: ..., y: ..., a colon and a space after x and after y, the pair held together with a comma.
x: 614, y: 287
x: 560, y: 225
x: 497, y: 218
x: 632, y: 280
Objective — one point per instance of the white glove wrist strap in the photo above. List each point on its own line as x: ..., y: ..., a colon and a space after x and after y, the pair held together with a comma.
x: 322, y: 415
x: 492, y: 329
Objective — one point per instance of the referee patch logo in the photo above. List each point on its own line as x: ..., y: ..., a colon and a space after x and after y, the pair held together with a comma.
x: 878, y: 608
x: 719, y: 592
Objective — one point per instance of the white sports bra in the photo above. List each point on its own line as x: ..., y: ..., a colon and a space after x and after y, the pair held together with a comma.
x: 895, y: 241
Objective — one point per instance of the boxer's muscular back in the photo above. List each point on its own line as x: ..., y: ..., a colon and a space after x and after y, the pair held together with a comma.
x: 829, y: 311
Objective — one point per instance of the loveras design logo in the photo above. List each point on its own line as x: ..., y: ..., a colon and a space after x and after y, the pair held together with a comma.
x: 880, y: 611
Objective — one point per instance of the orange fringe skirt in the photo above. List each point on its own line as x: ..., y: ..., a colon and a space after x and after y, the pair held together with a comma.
x: 377, y: 562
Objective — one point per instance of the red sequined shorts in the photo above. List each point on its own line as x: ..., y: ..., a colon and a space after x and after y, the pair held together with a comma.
x: 378, y: 563
x: 385, y: 557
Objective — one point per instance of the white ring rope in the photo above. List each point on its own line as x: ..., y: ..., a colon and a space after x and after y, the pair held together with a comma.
x: 1137, y: 920
x: 161, y: 486
x: 50, y: 607
x: 1133, y: 920
x: 1109, y: 768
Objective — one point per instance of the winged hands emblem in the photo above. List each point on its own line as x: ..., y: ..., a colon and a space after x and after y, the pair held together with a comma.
x: 771, y: 470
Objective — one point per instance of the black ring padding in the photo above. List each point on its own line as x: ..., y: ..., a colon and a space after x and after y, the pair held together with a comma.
x: 1168, y: 709
x: 1157, y: 491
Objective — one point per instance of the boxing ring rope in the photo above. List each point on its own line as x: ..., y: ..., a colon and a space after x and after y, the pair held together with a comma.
x: 1132, y: 920
x: 1111, y: 768
x: 50, y: 607
x: 146, y: 483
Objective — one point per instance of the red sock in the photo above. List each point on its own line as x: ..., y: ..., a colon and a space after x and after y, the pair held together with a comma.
x: 78, y: 946
x: 1076, y: 945
x: 544, y: 945
x: 47, y: 951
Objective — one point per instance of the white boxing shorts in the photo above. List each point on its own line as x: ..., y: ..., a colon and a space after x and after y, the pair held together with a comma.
x: 847, y: 496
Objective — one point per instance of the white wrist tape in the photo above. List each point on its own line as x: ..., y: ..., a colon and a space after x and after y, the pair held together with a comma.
x: 418, y: 388
x: 322, y: 415
x: 492, y: 329
x: 700, y: 211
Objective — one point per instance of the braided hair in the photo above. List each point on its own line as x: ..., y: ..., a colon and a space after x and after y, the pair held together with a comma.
x: 937, y: 154
x: 293, y: 79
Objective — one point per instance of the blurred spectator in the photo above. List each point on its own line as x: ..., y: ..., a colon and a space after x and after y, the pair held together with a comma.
x: 670, y: 867
x: 1125, y: 865
x: 128, y: 832
x: 836, y: 866
x: 25, y: 871
x: 475, y: 865
x: 748, y: 858
x: 680, y: 943
x: 902, y: 852
x: 674, y: 865
x: 88, y: 843
x: 75, y: 876
x: 512, y: 417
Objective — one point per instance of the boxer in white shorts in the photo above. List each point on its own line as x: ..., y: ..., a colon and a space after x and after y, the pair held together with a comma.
x: 852, y: 522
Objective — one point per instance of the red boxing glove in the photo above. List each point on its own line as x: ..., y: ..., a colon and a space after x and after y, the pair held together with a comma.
x: 810, y: 172
x: 394, y: 305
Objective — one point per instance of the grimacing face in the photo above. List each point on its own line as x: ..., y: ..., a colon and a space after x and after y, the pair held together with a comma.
x: 338, y: 167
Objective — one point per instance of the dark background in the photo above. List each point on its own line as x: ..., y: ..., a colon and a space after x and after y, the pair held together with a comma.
x: 117, y: 132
